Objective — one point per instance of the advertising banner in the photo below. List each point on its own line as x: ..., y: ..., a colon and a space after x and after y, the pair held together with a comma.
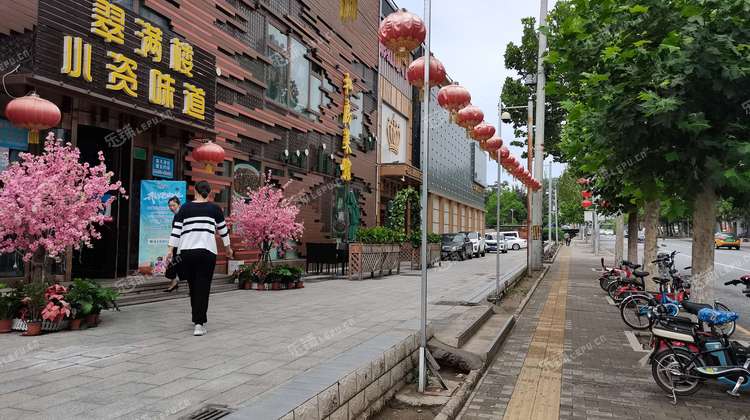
x: 156, y: 223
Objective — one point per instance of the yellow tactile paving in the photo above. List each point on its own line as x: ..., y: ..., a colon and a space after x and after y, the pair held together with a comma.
x: 537, y: 391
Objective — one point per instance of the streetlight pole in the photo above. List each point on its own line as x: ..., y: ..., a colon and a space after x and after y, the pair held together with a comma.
x: 497, y: 199
x: 557, y: 213
x: 536, y: 242
x: 423, y: 200
x: 549, y: 204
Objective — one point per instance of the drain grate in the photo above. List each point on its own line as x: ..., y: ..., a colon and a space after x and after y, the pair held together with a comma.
x: 209, y: 412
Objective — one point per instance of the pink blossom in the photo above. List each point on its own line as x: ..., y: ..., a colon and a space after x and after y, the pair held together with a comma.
x: 52, y: 201
x: 268, y: 218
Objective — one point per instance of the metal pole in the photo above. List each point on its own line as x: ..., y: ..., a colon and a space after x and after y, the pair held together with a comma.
x: 549, y: 204
x: 423, y: 201
x: 557, y: 214
x: 497, y: 200
x: 529, y: 207
x: 536, y: 254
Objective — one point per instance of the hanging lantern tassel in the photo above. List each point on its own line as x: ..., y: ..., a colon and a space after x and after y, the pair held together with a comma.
x: 33, y: 136
x: 348, y: 10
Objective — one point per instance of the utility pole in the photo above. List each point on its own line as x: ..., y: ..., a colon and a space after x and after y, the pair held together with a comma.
x: 529, y: 194
x: 423, y: 200
x: 536, y: 220
x: 549, y: 204
x: 557, y: 214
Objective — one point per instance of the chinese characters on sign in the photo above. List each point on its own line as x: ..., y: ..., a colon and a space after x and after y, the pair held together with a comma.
x: 346, y: 164
x: 162, y: 167
x: 112, y: 23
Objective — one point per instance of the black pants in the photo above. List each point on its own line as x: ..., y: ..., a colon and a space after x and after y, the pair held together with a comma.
x: 197, y: 268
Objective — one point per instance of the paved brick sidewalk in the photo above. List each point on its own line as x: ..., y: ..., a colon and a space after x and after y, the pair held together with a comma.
x: 601, y: 374
x: 144, y: 363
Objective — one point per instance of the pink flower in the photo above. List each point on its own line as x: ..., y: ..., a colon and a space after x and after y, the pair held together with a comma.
x: 52, y: 201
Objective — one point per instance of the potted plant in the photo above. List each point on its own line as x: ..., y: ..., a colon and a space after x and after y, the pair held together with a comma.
x: 104, y: 298
x: 33, y: 303
x: 10, y: 303
x: 244, y: 277
x: 81, y: 298
x: 56, y: 308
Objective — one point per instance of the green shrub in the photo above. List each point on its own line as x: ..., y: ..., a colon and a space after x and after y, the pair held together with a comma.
x: 380, y: 235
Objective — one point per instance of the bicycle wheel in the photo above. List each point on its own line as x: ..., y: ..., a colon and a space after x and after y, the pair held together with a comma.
x: 673, y: 371
x: 634, y: 311
x: 729, y: 327
x: 614, y: 291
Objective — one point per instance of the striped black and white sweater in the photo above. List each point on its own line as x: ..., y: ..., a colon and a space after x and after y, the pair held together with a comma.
x: 195, y: 227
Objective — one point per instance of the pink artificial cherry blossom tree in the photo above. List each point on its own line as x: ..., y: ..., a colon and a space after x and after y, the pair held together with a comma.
x: 266, y: 219
x: 52, y: 201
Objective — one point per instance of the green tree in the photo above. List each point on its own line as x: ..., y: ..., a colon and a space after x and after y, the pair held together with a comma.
x: 523, y: 59
x: 512, y: 203
x: 664, y: 79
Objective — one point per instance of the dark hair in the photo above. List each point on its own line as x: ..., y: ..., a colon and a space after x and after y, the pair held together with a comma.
x: 175, y: 199
x: 203, y: 188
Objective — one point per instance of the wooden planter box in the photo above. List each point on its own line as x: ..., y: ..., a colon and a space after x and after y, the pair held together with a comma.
x: 433, y: 257
x: 373, y: 258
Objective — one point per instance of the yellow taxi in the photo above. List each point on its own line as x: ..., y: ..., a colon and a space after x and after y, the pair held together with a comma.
x: 728, y: 240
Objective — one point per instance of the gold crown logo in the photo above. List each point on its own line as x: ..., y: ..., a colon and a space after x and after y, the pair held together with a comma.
x: 394, y: 135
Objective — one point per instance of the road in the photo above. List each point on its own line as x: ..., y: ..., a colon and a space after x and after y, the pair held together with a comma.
x: 729, y: 265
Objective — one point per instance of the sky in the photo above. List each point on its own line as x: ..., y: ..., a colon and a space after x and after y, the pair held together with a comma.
x: 470, y: 41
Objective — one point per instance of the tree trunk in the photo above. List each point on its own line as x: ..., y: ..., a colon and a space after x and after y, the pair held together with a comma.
x: 704, y: 223
x: 632, y: 236
x: 619, y: 237
x: 651, y: 220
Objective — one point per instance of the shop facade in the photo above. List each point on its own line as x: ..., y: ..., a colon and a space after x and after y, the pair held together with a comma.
x: 266, y: 83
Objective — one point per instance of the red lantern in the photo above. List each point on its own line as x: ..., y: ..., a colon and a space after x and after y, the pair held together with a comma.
x: 415, y: 73
x: 482, y: 132
x: 402, y: 32
x: 469, y: 117
x: 586, y: 194
x: 504, y: 153
x: 33, y: 113
x: 209, y: 154
x: 453, y: 98
x: 493, y: 144
x: 586, y: 203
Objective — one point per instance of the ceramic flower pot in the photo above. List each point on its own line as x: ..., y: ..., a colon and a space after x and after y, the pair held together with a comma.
x: 75, y: 324
x: 34, y: 328
x: 91, y: 320
x: 247, y: 285
x: 299, y: 284
x: 6, y: 325
x: 275, y: 285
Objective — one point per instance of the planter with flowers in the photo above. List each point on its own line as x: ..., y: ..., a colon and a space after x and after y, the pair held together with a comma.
x: 377, y: 250
x: 10, y: 303
x: 50, y: 203
x: 266, y: 220
x: 42, y: 309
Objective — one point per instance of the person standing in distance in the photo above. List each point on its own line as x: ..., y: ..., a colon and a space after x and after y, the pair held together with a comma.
x: 171, y: 273
x: 193, y: 234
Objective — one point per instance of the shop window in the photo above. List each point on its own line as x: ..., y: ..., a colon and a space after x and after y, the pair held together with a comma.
x: 357, y: 115
x: 299, y: 79
x: 291, y: 79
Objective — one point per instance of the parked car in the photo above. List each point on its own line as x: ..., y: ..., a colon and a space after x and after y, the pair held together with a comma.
x: 479, y: 246
x: 456, y: 246
x: 491, y: 241
x: 726, y: 239
x: 514, y: 240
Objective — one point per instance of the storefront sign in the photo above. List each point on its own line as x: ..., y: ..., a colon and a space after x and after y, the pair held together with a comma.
x: 156, y: 223
x: 162, y: 167
x: 393, y: 149
x: 13, y: 137
x: 110, y: 50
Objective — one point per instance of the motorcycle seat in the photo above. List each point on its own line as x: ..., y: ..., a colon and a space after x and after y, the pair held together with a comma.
x: 660, y: 280
x: 714, y: 317
x: 634, y: 266
x: 693, y: 307
x: 641, y: 274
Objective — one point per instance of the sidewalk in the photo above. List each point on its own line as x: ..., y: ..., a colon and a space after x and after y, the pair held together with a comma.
x: 590, y: 373
x: 144, y: 363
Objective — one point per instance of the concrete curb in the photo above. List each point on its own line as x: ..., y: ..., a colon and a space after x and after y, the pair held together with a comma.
x: 455, y: 405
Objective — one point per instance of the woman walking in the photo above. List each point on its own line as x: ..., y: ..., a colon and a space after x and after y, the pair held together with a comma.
x: 193, y: 234
x: 171, y: 273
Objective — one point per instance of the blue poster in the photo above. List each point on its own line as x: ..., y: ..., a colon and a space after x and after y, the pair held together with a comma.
x: 156, y: 223
x: 162, y: 167
x: 13, y: 137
